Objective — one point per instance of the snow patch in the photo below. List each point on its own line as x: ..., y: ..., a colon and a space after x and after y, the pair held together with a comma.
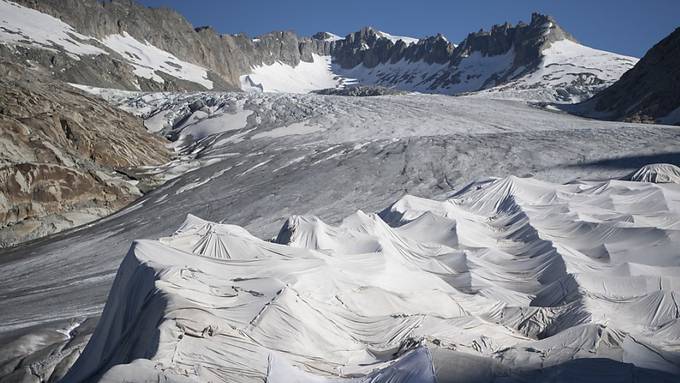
x: 404, y: 74
x: 280, y: 77
x: 568, y: 72
x: 202, y: 124
x: 394, y: 39
x: 25, y: 26
x: 147, y: 59
x: 332, y: 37
x: 478, y: 71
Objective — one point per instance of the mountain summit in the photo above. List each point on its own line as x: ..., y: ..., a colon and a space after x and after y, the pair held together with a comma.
x: 535, y: 61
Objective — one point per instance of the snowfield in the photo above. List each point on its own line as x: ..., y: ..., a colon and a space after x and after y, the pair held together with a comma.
x: 394, y: 39
x: 147, y: 59
x: 569, y: 72
x: 303, y: 78
x: 24, y: 26
x: 523, y: 276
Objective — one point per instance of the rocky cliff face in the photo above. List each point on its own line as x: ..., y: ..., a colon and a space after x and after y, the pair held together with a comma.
x: 650, y: 92
x: 527, y: 42
x: 59, y: 152
x: 225, y: 57
x: 369, y: 48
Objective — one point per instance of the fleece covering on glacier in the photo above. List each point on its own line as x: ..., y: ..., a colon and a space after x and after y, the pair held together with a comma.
x: 520, y: 276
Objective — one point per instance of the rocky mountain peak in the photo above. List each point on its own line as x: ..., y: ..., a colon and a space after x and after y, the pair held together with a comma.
x: 502, y: 37
x: 114, y: 30
x: 533, y: 60
x: 539, y: 18
x: 370, y: 47
x: 325, y: 36
x: 367, y: 35
x: 205, y: 28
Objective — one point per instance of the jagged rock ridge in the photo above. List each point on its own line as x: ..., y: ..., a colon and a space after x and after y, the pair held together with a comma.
x: 503, y: 59
x: 535, y: 61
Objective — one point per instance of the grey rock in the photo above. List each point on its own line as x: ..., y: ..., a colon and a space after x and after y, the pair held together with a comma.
x: 366, y: 47
x: 60, y: 153
x: 647, y: 93
x: 227, y: 56
x: 360, y: 91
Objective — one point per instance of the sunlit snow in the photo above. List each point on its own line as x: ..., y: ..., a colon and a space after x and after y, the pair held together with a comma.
x: 303, y: 78
x: 148, y: 59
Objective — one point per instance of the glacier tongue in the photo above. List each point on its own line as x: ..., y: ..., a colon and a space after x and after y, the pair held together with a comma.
x: 512, y: 276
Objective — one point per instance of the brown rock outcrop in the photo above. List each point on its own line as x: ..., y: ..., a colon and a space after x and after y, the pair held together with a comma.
x: 60, y: 151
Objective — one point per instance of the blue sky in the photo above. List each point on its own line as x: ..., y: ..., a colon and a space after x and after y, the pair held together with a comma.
x: 623, y: 26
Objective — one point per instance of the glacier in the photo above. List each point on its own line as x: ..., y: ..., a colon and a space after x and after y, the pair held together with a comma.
x: 546, y: 240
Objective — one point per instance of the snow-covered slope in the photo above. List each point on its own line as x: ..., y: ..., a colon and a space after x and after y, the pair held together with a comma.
x: 525, y: 273
x: 328, y: 36
x: 394, y: 39
x: 147, y: 59
x: 25, y: 26
x: 568, y: 72
x: 28, y: 28
x: 303, y: 78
